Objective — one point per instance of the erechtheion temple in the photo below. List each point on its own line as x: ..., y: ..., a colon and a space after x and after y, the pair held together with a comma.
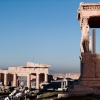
x: 31, y: 73
x: 89, y: 17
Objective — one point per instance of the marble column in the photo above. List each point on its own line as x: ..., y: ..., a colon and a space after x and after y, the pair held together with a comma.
x: 28, y: 80
x: 15, y: 80
x: 94, y: 41
x: 61, y: 84
x: 46, y: 78
x: 5, y: 79
x: 37, y: 81
x: 64, y: 84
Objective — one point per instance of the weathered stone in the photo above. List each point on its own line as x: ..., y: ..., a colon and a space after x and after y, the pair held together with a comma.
x: 32, y: 72
x: 88, y: 15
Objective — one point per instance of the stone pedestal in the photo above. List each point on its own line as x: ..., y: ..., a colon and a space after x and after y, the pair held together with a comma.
x: 90, y: 72
x: 90, y: 69
x: 88, y: 65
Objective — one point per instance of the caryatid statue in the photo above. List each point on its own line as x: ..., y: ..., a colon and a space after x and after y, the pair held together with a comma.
x: 85, y: 38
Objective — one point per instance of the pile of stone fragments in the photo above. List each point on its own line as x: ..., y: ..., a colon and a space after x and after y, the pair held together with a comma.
x: 19, y: 93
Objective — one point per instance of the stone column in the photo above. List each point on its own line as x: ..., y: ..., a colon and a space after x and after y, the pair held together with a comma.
x: 5, y: 79
x: 64, y: 84
x: 90, y: 44
x: 61, y: 84
x: 0, y: 77
x: 37, y: 81
x: 28, y: 80
x: 94, y: 41
x: 15, y: 80
x: 46, y: 78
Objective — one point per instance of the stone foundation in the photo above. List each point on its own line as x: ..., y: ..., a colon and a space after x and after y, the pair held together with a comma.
x: 90, y: 73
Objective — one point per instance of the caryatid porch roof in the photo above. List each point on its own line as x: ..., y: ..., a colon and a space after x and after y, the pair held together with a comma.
x: 90, y: 11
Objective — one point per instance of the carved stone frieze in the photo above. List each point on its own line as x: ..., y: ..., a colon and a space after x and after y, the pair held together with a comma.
x: 91, y: 7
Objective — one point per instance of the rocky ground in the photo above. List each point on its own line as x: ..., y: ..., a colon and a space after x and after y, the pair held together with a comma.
x: 54, y: 96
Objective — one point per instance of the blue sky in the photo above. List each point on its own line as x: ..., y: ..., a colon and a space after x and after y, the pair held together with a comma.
x: 46, y: 30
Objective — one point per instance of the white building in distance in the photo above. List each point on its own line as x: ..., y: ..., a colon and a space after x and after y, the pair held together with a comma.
x: 33, y: 72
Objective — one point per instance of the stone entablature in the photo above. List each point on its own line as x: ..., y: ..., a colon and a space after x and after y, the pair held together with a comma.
x: 89, y: 6
x: 30, y: 64
x: 25, y: 70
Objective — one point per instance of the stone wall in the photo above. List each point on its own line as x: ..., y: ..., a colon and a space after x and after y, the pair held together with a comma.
x: 90, y: 69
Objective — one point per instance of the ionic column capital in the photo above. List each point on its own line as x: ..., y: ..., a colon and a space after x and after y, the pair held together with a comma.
x: 37, y: 73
